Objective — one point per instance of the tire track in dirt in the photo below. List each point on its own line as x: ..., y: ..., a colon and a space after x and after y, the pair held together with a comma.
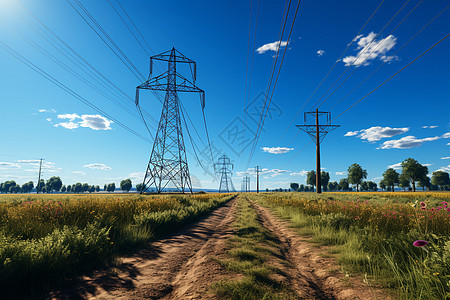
x: 176, y: 267
x: 310, y: 273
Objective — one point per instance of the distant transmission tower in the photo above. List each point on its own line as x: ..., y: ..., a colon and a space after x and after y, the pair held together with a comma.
x: 168, y: 162
x: 317, y: 132
x: 245, y: 184
x: 224, y: 168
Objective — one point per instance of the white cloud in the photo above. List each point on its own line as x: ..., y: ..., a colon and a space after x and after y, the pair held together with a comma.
x: 343, y: 173
x: 70, y: 117
x: 396, y: 166
x: 446, y: 135
x: 370, y: 49
x: 320, y: 52
x: 351, y: 133
x: 49, y: 119
x: 5, y: 165
x: 276, y: 150
x: 445, y: 169
x: 301, y: 173
x: 431, y: 127
x: 271, y: 172
x: 97, y: 166
x: 377, y: 133
x: 448, y: 157
x: 46, y: 110
x: 271, y: 46
x: 448, y: 144
x: 95, y: 122
x: 406, y: 142
x: 68, y: 125
x: 79, y: 173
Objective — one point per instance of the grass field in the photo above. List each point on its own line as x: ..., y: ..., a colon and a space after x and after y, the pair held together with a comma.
x: 46, y: 238
x: 373, y: 235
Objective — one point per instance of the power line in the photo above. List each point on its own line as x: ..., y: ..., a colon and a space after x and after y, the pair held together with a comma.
x: 67, y: 89
x: 276, y: 80
x: 367, y: 57
x: 332, y: 68
x: 395, y: 74
x: 406, y: 43
x: 360, y: 53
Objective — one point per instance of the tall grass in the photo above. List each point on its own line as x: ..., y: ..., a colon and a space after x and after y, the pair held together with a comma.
x: 48, y: 238
x: 375, y: 237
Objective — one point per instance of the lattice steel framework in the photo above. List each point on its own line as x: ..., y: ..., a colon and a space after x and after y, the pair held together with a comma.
x: 168, y: 162
x: 245, y: 184
x: 317, y: 133
x: 224, y: 168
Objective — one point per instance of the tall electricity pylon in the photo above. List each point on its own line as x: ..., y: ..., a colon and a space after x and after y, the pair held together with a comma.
x: 246, y: 184
x: 317, y: 132
x: 168, y: 162
x: 224, y: 168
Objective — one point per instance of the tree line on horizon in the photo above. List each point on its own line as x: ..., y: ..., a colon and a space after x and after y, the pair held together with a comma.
x: 413, y: 174
x: 55, y: 184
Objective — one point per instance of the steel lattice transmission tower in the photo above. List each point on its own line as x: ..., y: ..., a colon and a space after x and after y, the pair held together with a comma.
x: 317, y: 132
x: 245, y: 184
x: 168, y: 162
x: 224, y: 168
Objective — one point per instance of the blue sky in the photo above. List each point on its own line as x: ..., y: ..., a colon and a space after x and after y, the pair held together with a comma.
x: 38, y: 119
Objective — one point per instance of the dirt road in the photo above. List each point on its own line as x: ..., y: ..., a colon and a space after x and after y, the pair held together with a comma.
x: 180, y: 266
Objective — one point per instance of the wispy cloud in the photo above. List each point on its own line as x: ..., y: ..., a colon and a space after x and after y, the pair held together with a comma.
x: 7, y: 165
x: 97, y: 166
x: 343, y: 173
x: 446, y: 135
x: 301, y: 173
x: 272, y: 46
x: 406, y: 142
x: 377, y: 133
x: 430, y: 127
x: 42, y: 110
x: 276, y: 150
x: 445, y: 169
x: 396, y: 166
x: 268, y: 172
x: 95, y: 122
x: 79, y: 173
x: 371, y: 49
x: 448, y: 157
x: 320, y: 52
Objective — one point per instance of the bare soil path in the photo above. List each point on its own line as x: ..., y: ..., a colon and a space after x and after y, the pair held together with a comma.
x: 177, y: 267
x: 311, y: 275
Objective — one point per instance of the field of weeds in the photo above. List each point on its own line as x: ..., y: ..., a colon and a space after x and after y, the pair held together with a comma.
x: 46, y: 238
x: 399, y: 240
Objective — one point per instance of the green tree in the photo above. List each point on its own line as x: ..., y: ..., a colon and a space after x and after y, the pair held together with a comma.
x: 324, y: 178
x: 364, y: 186
x: 105, y: 187
x: 111, y: 187
x: 425, y: 182
x: 413, y: 171
x: 63, y: 189
x: 440, y: 178
x: 97, y: 188
x: 403, y: 182
x: 91, y: 189
x: 27, y: 187
x: 125, y: 185
x: 311, y: 178
x: 343, y: 184
x: 333, y: 186
x: 294, y: 186
x: 85, y: 187
x: 53, y: 184
x: 391, y: 178
x: 77, y: 188
x: 356, y: 174
x: 301, y: 188
x: 382, y: 185
x: 69, y: 188
x: 139, y: 187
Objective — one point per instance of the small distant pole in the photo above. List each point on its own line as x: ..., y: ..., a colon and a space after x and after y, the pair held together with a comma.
x: 39, y: 177
x: 257, y: 179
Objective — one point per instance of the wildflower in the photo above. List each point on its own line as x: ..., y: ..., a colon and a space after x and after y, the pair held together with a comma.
x: 423, y: 208
x: 423, y: 204
x: 420, y: 243
x: 448, y: 209
x: 444, y: 203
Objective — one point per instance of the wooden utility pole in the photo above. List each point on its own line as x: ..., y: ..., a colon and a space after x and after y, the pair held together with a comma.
x: 39, y: 177
x: 317, y: 132
x: 257, y: 179
x: 318, y: 171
